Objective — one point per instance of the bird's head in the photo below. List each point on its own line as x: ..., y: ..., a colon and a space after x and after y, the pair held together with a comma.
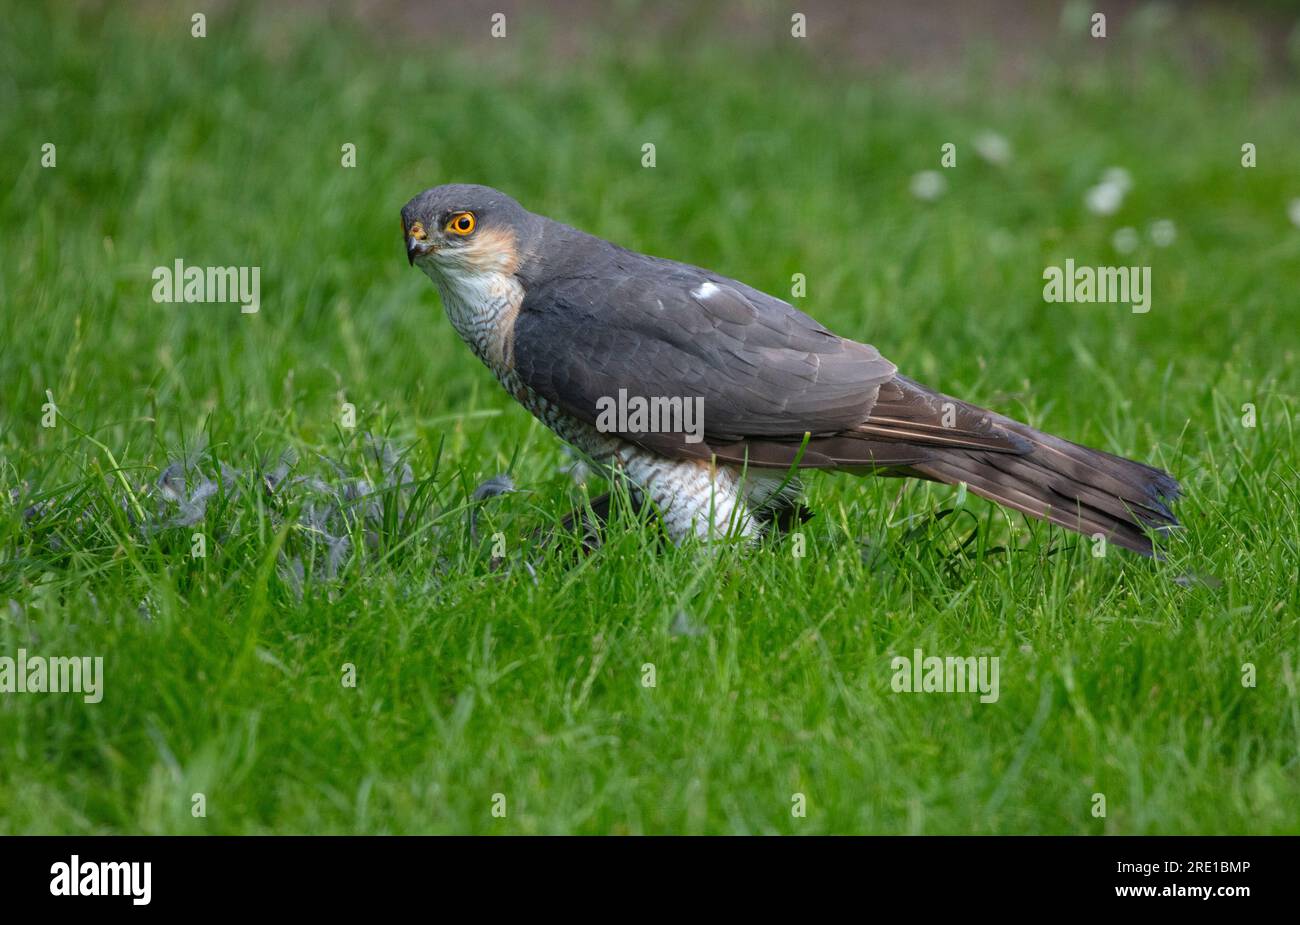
x: 460, y: 230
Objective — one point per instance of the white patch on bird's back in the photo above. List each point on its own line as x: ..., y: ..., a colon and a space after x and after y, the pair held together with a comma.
x: 704, y: 290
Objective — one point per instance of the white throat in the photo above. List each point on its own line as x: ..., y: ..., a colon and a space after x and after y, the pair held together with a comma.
x: 481, y: 305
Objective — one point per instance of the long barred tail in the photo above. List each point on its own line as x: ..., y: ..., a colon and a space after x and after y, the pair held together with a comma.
x: 1076, y: 487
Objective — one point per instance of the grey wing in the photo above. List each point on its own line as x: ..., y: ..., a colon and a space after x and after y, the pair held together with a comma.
x: 761, y: 367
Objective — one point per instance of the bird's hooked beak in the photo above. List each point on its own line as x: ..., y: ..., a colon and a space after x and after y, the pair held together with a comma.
x: 417, y: 244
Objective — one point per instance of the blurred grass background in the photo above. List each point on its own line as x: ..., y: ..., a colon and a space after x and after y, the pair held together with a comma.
x: 775, y: 156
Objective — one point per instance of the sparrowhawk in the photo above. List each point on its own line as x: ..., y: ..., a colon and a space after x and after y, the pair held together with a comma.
x: 566, y: 321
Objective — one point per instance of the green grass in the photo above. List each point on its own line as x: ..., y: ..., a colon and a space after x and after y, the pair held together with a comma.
x: 223, y: 674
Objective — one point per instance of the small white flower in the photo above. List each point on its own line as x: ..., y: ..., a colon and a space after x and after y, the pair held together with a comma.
x: 1118, y: 176
x: 1163, y: 232
x: 1293, y: 210
x: 1104, y: 199
x: 684, y: 625
x: 1125, y: 240
x: 928, y: 185
x: 1000, y: 242
x: 993, y: 148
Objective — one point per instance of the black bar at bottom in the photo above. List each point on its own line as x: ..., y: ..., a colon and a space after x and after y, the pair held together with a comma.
x: 335, y: 874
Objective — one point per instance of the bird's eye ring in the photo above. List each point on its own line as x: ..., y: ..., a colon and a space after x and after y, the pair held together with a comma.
x: 461, y: 223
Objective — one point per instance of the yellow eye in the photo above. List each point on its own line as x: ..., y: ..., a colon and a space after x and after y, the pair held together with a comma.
x: 462, y: 223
